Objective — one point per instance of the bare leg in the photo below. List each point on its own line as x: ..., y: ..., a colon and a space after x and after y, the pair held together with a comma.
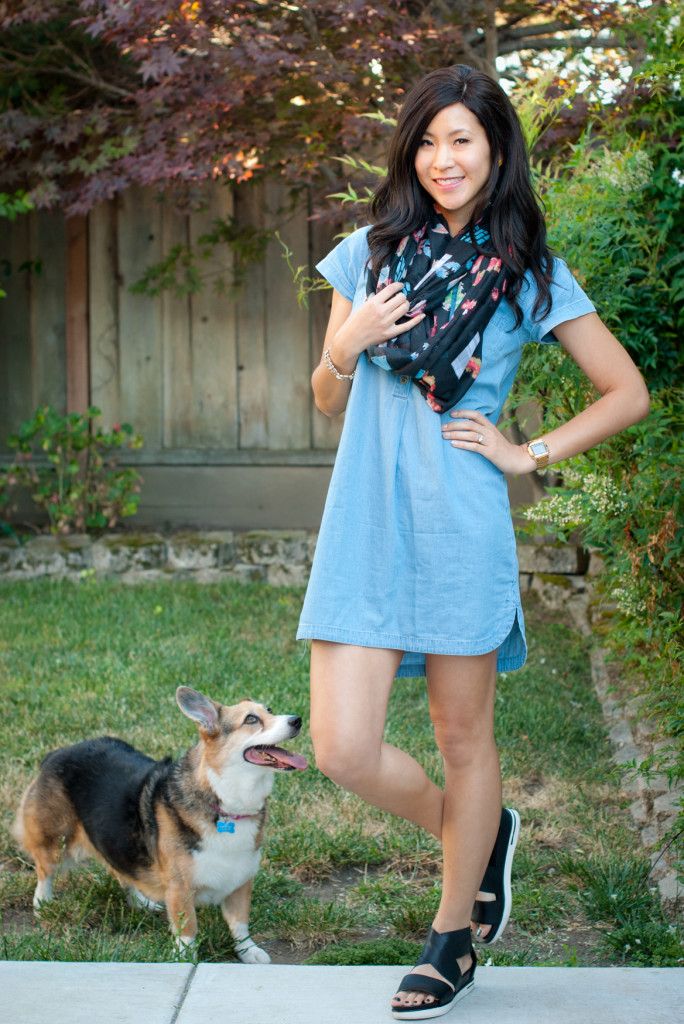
x: 461, y: 692
x: 350, y: 688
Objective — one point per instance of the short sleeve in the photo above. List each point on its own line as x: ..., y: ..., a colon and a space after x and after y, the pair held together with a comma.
x: 568, y: 301
x: 345, y: 264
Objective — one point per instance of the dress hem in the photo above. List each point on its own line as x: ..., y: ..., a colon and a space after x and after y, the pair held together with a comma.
x: 399, y: 642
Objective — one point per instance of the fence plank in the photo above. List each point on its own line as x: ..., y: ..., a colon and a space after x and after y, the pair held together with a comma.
x: 251, y: 331
x: 213, y: 338
x: 177, y: 350
x: 140, y: 318
x: 76, y: 297
x: 325, y: 432
x: 287, y: 328
x: 16, y: 379
x: 48, y: 298
x: 103, y: 312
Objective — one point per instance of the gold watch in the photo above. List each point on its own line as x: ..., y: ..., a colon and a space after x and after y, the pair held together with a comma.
x: 539, y: 451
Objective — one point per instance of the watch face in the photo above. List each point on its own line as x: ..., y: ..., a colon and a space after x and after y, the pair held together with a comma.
x: 538, y: 448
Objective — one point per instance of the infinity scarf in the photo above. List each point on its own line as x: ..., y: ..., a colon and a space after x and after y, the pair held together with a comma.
x: 459, y: 291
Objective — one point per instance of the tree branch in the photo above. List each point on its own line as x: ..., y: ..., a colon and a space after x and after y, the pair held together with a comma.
x: 548, y: 28
x: 77, y: 76
x: 491, y: 36
x: 559, y: 43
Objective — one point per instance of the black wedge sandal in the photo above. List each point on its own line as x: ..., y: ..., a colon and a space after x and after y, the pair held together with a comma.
x: 441, y: 951
x: 497, y: 879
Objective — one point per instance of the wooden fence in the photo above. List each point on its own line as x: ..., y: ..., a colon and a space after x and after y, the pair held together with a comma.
x: 219, y: 388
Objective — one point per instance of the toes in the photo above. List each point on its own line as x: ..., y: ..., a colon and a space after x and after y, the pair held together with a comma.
x: 412, y: 999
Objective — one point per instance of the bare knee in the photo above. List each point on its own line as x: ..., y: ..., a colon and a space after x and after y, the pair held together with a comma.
x: 464, y: 745
x: 341, y: 761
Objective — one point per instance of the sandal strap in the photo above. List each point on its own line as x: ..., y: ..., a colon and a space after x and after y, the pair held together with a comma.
x: 442, y: 949
x: 487, y: 911
x: 492, y: 876
x: 431, y: 986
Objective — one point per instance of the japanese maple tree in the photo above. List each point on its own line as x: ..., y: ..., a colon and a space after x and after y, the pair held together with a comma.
x: 102, y: 94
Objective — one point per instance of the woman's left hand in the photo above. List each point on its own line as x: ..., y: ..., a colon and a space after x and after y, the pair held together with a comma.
x: 473, y: 432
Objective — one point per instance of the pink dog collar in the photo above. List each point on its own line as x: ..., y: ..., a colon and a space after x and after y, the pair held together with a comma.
x: 231, y: 817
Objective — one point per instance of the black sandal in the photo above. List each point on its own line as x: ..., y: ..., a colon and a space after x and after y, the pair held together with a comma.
x: 441, y: 951
x: 497, y: 879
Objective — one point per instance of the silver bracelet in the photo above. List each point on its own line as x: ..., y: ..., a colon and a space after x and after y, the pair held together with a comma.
x: 333, y: 369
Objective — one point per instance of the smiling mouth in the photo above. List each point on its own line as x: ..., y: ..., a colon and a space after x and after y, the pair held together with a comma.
x: 442, y: 182
x: 276, y: 758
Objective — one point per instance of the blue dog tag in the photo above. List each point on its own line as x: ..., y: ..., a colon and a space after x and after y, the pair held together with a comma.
x: 225, y: 826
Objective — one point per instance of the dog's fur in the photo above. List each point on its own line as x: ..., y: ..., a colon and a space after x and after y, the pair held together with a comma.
x: 155, y: 824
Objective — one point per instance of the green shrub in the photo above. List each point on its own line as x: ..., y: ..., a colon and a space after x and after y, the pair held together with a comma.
x: 615, y: 213
x: 69, y: 466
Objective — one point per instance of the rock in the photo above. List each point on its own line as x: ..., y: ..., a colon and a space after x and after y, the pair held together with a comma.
x: 45, y: 557
x: 192, y: 551
x: 621, y: 735
x: 271, y: 547
x: 639, y: 812
x: 249, y: 573
x: 547, y: 558
x: 666, y: 806
x: 671, y: 889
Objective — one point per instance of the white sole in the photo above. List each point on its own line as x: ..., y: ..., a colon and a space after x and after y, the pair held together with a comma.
x: 433, y: 1011
x: 512, y: 843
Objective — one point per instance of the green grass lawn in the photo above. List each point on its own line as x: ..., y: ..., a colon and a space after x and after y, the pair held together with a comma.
x: 340, y: 881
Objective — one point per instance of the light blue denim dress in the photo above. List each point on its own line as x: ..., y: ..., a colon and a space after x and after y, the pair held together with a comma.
x: 416, y: 549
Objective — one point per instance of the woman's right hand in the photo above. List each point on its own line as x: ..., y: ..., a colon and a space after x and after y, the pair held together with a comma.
x: 350, y: 333
x: 375, y: 320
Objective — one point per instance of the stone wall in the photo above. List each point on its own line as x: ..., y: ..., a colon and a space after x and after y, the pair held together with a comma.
x: 271, y: 556
x: 278, y: 557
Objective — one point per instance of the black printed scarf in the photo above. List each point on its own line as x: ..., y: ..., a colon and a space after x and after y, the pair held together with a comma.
x: 459, y: 290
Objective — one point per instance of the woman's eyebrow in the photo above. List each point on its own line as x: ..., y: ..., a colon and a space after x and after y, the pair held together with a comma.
x: 456, y: 131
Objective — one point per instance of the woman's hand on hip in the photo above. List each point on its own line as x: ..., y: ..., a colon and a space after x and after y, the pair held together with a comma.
x: 473, y: 432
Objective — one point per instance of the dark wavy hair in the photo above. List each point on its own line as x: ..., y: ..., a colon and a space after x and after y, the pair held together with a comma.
x: 516, y: 221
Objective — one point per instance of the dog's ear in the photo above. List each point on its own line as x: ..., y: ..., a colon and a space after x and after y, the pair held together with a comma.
x: 199, y: 708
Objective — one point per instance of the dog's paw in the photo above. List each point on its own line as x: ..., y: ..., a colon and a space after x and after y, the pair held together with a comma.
x: 38, y: 908
x: 187, y: 947
x: 43, y: 894
x: 253, y: 955
x: 136, y: 900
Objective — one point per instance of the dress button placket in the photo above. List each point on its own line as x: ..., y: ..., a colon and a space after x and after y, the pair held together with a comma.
x: 402, y: 386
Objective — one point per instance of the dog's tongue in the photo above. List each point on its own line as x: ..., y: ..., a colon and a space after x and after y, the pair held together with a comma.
x: 272, y: 757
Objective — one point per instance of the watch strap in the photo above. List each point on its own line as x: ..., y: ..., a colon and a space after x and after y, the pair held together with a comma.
x: 541, y: 459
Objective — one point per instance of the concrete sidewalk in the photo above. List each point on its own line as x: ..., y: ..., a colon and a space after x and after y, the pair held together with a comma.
x: 75, y: 993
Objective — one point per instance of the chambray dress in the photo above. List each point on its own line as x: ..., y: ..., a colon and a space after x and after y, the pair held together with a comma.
x: 416, y: 549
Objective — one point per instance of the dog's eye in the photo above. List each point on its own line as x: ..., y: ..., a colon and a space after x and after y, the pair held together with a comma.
x: 251, y: 720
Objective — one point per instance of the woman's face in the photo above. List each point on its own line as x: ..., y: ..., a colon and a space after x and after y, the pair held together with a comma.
x: 453, y: 163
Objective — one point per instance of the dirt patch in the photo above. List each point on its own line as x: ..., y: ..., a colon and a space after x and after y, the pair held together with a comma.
x: 18, y: 922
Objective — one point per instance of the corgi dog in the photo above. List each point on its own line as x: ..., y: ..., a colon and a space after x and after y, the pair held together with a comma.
x: 173, y: 833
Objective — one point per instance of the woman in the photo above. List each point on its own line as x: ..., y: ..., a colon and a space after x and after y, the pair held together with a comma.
x: 415, y: 569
